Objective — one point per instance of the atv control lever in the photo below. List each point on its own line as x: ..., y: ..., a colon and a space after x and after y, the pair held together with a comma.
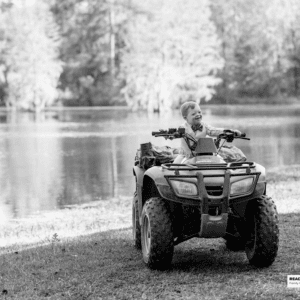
x: 171, y: 133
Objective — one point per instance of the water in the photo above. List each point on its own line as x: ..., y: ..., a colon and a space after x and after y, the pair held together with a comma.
x: 71, y: 157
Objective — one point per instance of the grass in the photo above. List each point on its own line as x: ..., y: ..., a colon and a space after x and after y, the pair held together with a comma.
x: 70, y: 222
x: 87, y: 253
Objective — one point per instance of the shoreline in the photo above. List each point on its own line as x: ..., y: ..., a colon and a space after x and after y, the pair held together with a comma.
x: 259, y: 104
x: 101, y: 216
x: 87, y: 252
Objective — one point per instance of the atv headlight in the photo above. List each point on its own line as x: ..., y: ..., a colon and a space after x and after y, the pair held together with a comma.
x: 184, y: 188
x: 241, y: 187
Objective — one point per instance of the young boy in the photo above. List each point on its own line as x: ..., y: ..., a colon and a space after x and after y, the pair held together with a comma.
x: 195, y: 127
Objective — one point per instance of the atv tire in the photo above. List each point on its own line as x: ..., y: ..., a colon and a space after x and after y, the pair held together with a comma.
x: 262, y: 236
x: 136, y: 227
x: 157, y: 234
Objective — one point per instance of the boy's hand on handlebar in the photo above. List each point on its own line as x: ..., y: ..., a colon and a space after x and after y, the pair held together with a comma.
x: 232, y: 131
x: 230, y: 134
x: 237, y: 133
x: 241, y: 135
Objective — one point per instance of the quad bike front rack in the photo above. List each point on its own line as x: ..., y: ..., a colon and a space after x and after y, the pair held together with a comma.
x: 221, y: 166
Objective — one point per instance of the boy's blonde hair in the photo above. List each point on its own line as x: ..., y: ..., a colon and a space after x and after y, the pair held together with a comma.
x: 186, y: 106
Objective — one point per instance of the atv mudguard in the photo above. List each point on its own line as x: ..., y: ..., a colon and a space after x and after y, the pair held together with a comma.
x: 154, y: 173
x: 139, y: 176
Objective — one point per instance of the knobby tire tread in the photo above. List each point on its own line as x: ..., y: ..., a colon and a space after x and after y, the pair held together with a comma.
x: 162, y: 242
x: 267, y: 233
x: 137, y: 228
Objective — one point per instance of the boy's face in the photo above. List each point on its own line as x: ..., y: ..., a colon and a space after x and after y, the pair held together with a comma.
x: 194, y: 115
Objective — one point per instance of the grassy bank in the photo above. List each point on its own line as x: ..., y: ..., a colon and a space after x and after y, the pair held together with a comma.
x: 69, y: 222
x: 87, y: 253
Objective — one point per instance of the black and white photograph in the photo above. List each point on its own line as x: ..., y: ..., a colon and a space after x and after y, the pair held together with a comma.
x: 149, y: 149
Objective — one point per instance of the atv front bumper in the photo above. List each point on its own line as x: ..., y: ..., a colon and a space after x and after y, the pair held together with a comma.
x: 214, y: 207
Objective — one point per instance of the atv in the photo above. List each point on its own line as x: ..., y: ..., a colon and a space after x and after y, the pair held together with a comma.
x: 203, y: 196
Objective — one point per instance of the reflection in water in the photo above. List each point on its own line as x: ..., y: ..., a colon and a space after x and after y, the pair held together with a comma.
x: 114, y: 161
x: 272, y: 146
x: 91, y: 169
x: 78, y: 156
x: 31, y: 167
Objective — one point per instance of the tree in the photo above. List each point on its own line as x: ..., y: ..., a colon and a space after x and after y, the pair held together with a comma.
x: 4, y: 6
x: 92, y: 33
x: 172, y: 54
x: 259, y: 45
x: 239, y: 26
x: 31, y: 65
x: 284, y: 26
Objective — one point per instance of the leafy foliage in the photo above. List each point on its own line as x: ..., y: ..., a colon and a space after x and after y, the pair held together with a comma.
x: 172, y: 54
x: 149, y: 54
x: 91, y: 32
x: 259, y: 46
x: 30, y: 65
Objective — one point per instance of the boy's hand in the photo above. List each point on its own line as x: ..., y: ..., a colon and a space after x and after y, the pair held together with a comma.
x: 237, y: 132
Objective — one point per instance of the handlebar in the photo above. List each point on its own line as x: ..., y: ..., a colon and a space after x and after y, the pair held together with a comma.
x: 171, y: 133
x: 174, y: 133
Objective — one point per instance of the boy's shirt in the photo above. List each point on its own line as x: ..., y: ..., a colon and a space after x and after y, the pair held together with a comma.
x: 205, y: 130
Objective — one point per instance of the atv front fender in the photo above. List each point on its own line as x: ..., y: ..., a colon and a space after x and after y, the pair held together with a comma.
x: 262, y: 170
x: 157, y: 175
x: 142, y: 181
x: 139, y: 176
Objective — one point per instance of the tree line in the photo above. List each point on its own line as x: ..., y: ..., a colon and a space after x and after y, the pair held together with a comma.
x: 151, y: 54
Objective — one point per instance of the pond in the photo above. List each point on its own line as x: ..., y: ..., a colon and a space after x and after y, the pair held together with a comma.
x: 74, y: 156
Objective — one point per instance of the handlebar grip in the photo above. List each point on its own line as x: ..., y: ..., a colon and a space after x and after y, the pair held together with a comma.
x: 159, y: 132
x: 171, y: 132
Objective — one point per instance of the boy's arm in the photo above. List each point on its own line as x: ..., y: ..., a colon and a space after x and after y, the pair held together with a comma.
x: 184, y: 146
x: 213, y: 131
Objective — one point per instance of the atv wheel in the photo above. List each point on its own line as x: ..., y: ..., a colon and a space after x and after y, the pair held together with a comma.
x: 262, y: 232
x: 157, y: 234
x: 136, y: 228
